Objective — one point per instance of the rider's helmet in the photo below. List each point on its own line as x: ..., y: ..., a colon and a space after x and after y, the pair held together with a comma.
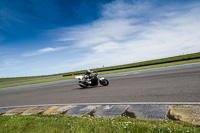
x: 88, y: 72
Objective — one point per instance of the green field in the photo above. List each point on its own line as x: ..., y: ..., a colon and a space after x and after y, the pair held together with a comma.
x: 101, y: 73
x: 86, y: 124
x: 178, y: 60
x: 24, y: 78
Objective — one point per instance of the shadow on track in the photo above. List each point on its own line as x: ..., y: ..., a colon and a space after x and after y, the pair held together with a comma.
x: 90, y: 87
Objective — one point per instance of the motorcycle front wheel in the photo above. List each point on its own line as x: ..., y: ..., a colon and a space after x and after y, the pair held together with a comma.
x: 104, y: 82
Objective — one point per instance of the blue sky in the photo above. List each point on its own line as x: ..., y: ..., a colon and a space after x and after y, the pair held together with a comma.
x: 39, y: 37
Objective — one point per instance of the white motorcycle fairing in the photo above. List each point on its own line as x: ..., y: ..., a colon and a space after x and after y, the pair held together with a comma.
x: 79, y: 77
x: 101, y: 78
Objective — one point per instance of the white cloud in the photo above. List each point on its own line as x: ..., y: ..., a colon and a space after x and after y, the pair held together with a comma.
x: 125, y: 33
x: 10, y: 62
x: 131, y: 32
x: 44, y: 50
x: 105, y: 47
x: 121, y: 9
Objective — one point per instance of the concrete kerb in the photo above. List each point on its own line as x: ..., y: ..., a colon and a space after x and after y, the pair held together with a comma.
x: 110, y: 110
x: 4, y: 110
x: 17, y: 111
x: 81, y: 110
x: 186, y: 113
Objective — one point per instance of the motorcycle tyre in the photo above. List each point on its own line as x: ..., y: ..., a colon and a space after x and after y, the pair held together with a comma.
x: 82, y: 86
x: 103, y: 82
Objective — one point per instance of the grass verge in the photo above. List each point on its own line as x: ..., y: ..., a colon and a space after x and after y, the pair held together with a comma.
x: 60, y: 123
x: 101, y: 73
x: 36, y: 81
x: 131, y: 65
x: 156, y: 61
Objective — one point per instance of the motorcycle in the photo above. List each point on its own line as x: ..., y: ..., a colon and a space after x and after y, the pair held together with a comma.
x: 92, y: 80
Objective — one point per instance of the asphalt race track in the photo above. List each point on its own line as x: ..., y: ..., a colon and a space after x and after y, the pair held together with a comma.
x: 171, y: 84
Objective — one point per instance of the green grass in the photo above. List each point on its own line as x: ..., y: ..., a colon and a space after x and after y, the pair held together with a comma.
x: 150, y: 62
x: 101, y: 73
x: 36, y: 81
x: 24, y: 78
x: 152, y: 66
x: 176, y: 58
x: 69, y: 124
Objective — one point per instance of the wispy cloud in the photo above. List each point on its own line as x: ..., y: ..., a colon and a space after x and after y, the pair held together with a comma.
x: 10, y: 62
x: 131, y: 32
x: 125, y: 32
x: 44, y: 50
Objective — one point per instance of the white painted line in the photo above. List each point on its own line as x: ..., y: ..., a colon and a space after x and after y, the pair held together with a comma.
x: 123, y: 103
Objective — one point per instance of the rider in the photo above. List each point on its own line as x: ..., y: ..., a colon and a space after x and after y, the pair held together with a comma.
x: 88, y: 75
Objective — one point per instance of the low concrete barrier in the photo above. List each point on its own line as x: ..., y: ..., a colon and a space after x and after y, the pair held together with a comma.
x: 35, y: 110
x: 110, y: 110
x: 82, y: 110
x: 186, y: 113
x: 149, y: 112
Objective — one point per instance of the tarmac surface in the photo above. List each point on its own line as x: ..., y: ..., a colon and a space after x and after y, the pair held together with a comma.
x: 168, y: 84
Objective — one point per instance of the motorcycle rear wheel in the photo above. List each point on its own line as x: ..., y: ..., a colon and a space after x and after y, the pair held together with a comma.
x: 83, y: 85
